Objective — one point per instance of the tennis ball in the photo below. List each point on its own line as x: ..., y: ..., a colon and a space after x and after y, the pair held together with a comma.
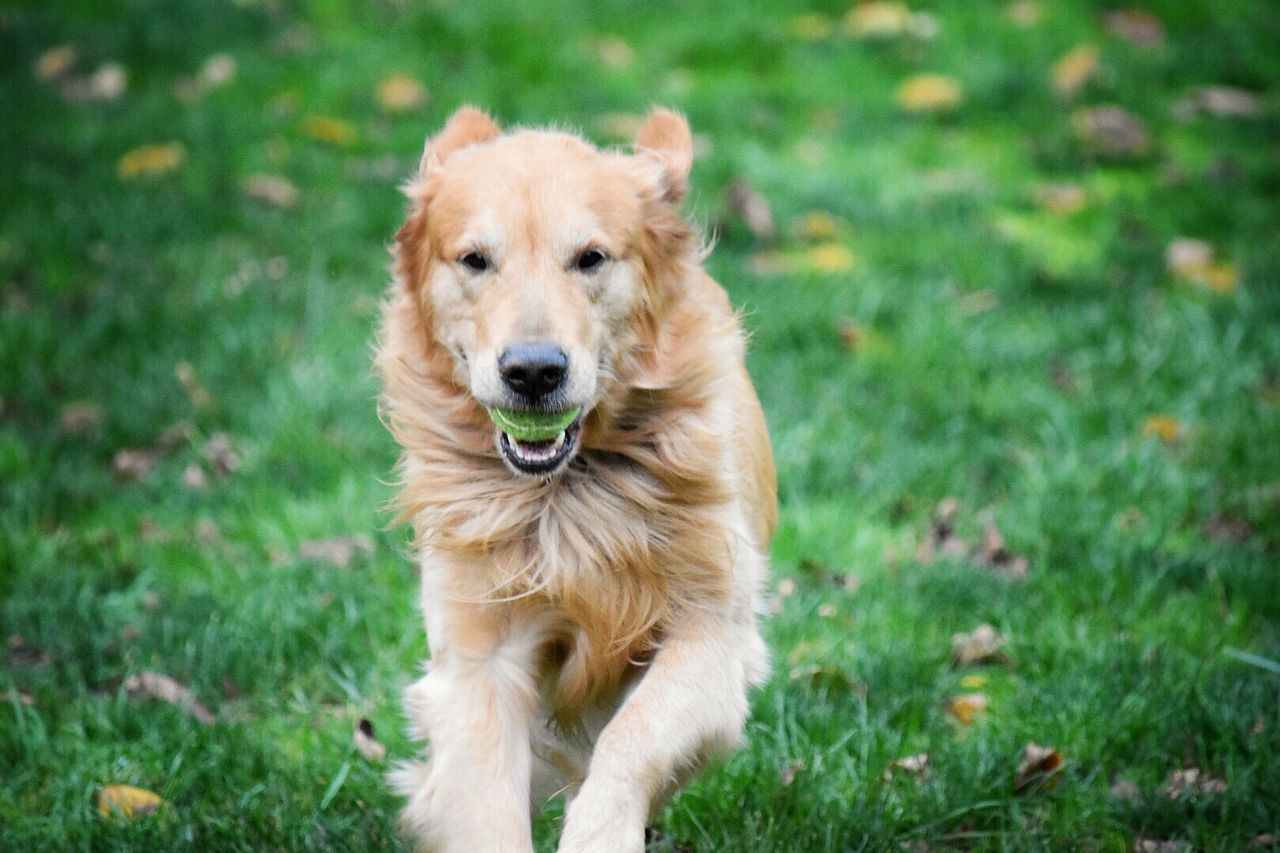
x: 533, y: 426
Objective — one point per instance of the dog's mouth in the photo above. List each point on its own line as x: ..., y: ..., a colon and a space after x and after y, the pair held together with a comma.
x: 540, y: 457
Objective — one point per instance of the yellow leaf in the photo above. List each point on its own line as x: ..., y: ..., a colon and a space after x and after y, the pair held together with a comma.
x: 830, y: 258
x: 930, y: 93
x: 1024, y: 13
x: 127, y: 801
x: 1164, y: 427
x: 151, y: 160
x: 398, y: 93
x: 1075, y: 69
x: 811, y: 27
x: 1193, y: 260
x: 55, y: 62
x: 1040, y: 768
x: 334, y: 131
x: 274, y: 190
x: 973, y: 682
x: 877, y: 19
x: 966, y: 706
x: 816, y: 225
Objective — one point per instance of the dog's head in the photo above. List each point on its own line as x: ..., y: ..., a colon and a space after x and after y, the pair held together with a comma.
x: 538, y: 262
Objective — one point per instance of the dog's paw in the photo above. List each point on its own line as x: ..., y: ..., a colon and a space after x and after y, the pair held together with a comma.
x: 601, y: 824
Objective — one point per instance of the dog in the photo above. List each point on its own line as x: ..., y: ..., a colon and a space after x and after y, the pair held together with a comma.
x: 591, y: 601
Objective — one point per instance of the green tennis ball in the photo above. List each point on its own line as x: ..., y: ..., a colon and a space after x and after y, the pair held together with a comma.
x: 533, y: 426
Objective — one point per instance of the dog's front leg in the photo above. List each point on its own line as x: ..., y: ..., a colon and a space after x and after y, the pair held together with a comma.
x: 475, y: 706
x: 691, y: 701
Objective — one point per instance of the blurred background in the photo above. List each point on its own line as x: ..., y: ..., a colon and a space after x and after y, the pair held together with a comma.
x: 1012, y: 273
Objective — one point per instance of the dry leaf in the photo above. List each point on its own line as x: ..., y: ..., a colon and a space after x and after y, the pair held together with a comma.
x: 366, y: 743
x: 1111, y: 131
x: 982, y: 645
x: 1024, y: 13
x: 827, y: 676
x: 744, y: 202
x: 1228, y: 528
x: 1126, y: 791
x: 967, y: 706
x: 151, y: 160
x: 1266, y: 839
x: 107, y: 83
x: 1061, y: 198
x: 1164, y: 427
x: 132, y: 464
x: 220, y: 455
x: 127, y: 801
x: 328, y: 129
x: 916, y: 766
x: 399, y: 93
x: 80, y: 417
x: 1217, y: 101
x: 1040, y: 768
x: 1074, y: 70
x: 992, y: 553
x: 786, y: 587
x: 925, y: 93
x: 1151, y: 845
x: 813, y: 26
x: 815, y: 225
x: 877, y: 19
x: 196, y: 393
x: 1191, y: 783
x: 1136, y: 26
x: 611, y: 52
x: 830, y: 258
x: 1193, y: 260
x: 826, y: 611
x: 274, y: 190
x: 193, y: 477
x: 218, y: 70
x: 55, y: 62
x: 790, y: 769
x: 339, y: 551
x: 852, y: 335
x: 154, y: 685
x: 942, y: 541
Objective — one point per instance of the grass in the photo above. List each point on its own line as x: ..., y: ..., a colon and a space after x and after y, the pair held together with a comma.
x: 1004, y: 355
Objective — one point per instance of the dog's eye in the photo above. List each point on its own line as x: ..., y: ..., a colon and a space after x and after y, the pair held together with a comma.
x: 588, y: 260
x: 474, y: 261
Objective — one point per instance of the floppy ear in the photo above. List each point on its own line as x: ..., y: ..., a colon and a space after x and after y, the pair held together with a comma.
x: 467, y: 126
x: 665, y: 137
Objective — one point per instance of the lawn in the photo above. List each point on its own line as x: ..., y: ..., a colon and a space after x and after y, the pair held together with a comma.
x: 1020, y: 357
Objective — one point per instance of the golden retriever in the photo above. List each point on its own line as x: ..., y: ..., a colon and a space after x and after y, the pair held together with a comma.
x: 590, y: 600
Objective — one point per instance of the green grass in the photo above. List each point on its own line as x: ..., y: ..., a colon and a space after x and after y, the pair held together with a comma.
x: 1013, y: 357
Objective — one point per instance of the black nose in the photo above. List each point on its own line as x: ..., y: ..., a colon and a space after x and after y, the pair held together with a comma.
x: 533, y: 370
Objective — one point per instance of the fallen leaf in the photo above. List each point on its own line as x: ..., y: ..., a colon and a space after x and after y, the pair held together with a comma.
x: 815, y: 225
x: 196, y: 393
x: 1111, y: 131
x: 154, y: 685
x: 982, y: 645
x: 220, y: 455
x: 1164, y: 427
x: 80, y: 417
x: 927, y: 93
x: 916, y: 766
x: 274, y: 190
x: 400, y: 93
x: 826, y: 676
x: 193, y: 477
x: 151, y: 160
x: 826, y: 611
x: 991, y: 552
x: 967, y: 706
x: 1222, y: 101
x: 330, y: 130
x: 1126, y: 791
x: 1266, y: 839
x: 611, y: 52
x: 339, y: 551
x: 218, y: 70
x: 942, y: 541
x: 1136, y: 26
x: 1040, y: 768
x: 1172, y: 845
x: 790, y: 769
x: 1074, y: 70
x: 1228, y: 528
x: 133, y: 464
x: 176, y: 435
x: 1193, y: 260
x: 813, y: 26
x: 786, y: 587
x: 745, y: 202
x: 830, y: 258
x: 877, y: 19
x: 852, y: 335
x: 366, y: 743
x: 107, y: 83
x: 1024, y: 13
x: 1191, y: 783
x: 55, y: 62
x: 1062, y: 199
x: 127, y: 801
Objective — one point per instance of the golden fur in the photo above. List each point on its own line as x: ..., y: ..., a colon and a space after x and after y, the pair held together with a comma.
x: 662, y: 518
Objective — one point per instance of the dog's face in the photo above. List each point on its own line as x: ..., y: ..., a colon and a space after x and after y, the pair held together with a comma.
x: 530, y: 252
